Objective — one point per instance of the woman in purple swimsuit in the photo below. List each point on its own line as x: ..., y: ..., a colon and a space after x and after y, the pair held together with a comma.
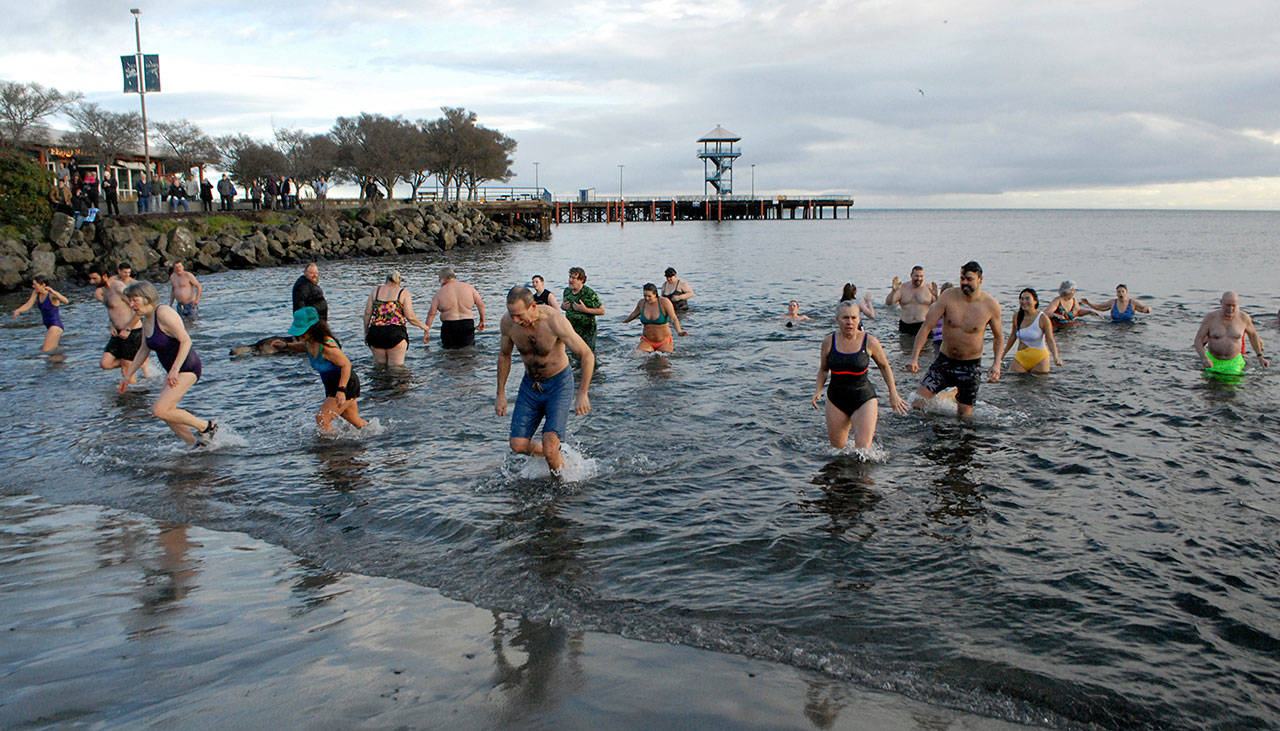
x: 163, y: 332
x: 47, y: 299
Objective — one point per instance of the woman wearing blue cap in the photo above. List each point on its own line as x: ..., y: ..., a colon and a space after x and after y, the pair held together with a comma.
x: 341, y: 387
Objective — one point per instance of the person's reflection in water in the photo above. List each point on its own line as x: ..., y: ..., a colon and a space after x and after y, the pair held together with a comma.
x: 847, y: 495
x: 823, y: 701
x: 310, y: 583
x: 542, y: 678
x: 168, y: 576
x: 958, y: 496
x: 342, y: 467
x: 389, y: 383
x: 656, y: 367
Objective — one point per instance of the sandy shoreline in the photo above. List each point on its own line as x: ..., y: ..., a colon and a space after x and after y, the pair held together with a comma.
x: 111, y: 618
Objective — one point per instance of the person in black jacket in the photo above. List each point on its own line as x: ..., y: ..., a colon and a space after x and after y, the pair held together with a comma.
x: 110, y: 195
x: 307, y: 292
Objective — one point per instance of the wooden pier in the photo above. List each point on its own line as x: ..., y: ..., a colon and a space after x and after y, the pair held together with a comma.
x: 670, y: 210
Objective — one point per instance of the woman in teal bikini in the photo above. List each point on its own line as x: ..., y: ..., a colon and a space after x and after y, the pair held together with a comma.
x: 655, y: 312
x: 1122, y: 308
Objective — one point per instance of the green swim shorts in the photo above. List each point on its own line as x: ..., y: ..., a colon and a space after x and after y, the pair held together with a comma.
x: 1225, y: 367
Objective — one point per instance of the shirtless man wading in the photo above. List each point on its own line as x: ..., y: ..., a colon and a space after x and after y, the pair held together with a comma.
x: 455, y: 302
x: 184, y: 291
x: 966, y: 313
x: 124, y: 324
x: 541, y: 333
x: 1220, y: 341
x: 914, y: 298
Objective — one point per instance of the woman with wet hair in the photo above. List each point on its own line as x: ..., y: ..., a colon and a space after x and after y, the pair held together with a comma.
x: 656, y: 312
x: 47, y: 299
x: 852, y: 405
x: 1033, y: 334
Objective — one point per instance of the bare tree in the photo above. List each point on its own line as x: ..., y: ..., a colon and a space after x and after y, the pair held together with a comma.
x: 377, y: 148
x: 103, y: 135
x: 248, y: 159
x: 186, y: 144
x: 23, y: 106
x: 310, y: 158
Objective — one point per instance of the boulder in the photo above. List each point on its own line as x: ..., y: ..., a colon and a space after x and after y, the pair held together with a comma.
x: 61, y: 226
x: 447, y: 239
x: 366, y: 245
x: 13, y: 247
x: 244, y: 254
x: 42, y: 264
x: 301, y: 233
x: 76, y: 255
x: 367, y: 216
x: 11, y: 270
x: 140, y: 257
x: 209, y: 263
x: 182, y: 244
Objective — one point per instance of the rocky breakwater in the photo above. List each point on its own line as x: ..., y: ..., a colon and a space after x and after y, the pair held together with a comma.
x: 245, y: 240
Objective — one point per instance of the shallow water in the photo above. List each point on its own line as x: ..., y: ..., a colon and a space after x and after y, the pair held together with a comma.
x: 1096, y: 546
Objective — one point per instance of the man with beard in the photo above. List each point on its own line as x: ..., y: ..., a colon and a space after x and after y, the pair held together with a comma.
x: 966, y: 313
x: 914, y: 299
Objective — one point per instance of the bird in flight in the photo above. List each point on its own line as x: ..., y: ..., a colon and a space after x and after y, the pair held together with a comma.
x: 921, y: 91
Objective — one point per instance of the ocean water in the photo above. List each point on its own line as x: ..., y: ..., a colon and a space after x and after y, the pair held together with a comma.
x: 1097, y: 546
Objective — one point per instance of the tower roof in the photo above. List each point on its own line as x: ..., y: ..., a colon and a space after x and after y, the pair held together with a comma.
x: 719, y: 134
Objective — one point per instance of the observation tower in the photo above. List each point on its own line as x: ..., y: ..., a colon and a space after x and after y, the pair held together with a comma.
x: 717, y: 157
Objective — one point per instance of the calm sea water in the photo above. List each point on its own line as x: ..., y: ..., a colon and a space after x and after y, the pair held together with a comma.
x: 1098, y: 546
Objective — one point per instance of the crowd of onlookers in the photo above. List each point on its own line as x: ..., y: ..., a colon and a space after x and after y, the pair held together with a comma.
x: 80, y: 193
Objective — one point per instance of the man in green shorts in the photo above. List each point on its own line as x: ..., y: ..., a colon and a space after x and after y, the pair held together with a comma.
x: 582, y: 306
x: 1220, y: 340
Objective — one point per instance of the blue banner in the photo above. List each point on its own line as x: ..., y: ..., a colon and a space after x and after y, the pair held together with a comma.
x: 130, y: 66
x: 151, y: 72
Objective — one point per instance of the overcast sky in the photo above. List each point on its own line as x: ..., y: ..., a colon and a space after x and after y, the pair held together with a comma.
x: 895, y: 102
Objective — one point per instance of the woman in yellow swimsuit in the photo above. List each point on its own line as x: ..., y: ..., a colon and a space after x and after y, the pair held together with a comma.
x: 1032, y: 332
x: 655, y: 312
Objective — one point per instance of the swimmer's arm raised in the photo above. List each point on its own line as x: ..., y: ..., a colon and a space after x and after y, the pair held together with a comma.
x: 895, y: 294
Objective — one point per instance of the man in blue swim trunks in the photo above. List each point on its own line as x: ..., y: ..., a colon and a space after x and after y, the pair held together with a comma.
x: 966, y: 313
x: 541, y: 334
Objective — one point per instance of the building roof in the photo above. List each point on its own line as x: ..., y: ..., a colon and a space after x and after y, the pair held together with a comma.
x: 719, y: 134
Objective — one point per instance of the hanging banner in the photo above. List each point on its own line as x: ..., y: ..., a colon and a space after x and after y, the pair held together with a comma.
x: 151, y: 72
x: 130, y: 66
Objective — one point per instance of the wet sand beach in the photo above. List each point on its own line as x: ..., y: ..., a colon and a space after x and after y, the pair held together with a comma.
x: 113, y: 619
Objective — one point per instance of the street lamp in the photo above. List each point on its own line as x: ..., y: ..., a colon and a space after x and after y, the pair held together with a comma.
x: 142, y: 88
x: 537, y: 189
x: 753, y: 181
x: 620, y: 167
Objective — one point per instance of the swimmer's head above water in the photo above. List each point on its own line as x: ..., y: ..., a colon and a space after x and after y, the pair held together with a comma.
x: 1067, y: 288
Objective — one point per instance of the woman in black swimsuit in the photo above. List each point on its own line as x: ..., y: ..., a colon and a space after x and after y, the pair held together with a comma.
x: 851, y: 399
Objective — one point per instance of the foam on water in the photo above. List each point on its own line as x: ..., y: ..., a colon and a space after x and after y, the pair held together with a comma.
x: 345, y: 431
x: 576, y: 468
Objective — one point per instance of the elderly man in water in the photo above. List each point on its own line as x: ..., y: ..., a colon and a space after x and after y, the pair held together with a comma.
x: 1220, y: 341
x: 541, y: 334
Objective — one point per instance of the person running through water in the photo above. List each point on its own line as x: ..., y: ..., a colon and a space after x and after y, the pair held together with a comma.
x: 655, y: 312
x: 1032, y: 331
x: 163, y: 332
x: 582, y: 306
x: 913, y: 299
x: 847, y: 354
x: 122, y: 322
x: 541, y: 334
x: 456, y: 302
x: 341, y: 386
x: 1121, y: 308
x: 1220, y: 341
x: 47, y: 299
x: 966, y: 313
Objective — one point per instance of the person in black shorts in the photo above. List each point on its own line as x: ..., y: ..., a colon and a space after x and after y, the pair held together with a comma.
x: 966, y: 313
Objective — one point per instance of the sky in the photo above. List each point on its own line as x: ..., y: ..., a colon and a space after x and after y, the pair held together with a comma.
x: 897, y: 103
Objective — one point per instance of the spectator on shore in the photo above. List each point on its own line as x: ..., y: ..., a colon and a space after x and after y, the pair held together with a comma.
x: 143, y: 188
x: 255, y: 194
x: 110, y: 195
x: 60, y: 196
x: 271, y: 190
x: 177, y: 196
x: 206, y: 196
x: 159, y: 192
x: 286, y: 197
x: 226, y: 193
x: 80, y: 205
x: 91, y: 187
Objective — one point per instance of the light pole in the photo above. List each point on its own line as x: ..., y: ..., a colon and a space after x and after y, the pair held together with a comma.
x: 620, y: 167
x: 142, y: 88
x: 537, y: 189
x: 753, y: 181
